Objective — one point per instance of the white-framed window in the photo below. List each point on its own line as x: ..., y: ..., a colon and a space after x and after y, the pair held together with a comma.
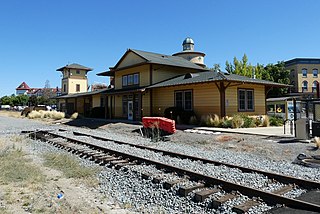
x: 314, y: 86
x: 304, y: 86
x: 245, y: 100
x: 315, y: 73
x: 124, y: 80
x: 183, y: 100
x: 304, y: 72
x: 131, y: 79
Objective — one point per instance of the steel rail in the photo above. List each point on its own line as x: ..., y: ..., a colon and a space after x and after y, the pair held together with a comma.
x: 268, y: 197
x: 307, y: 184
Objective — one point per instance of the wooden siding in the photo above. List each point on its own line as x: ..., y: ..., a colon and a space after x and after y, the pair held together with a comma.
x: 131, y: 59
x: 232, y: 99
x: 161, y: 73
x: 96, y: 100
x: 80, y: 105
x: 118, y: 106
x: 146, y: 104
x: 143, y: 71
x: 206, y: 99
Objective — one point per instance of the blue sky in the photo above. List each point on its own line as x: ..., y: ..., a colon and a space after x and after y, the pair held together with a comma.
x: 39, y: 36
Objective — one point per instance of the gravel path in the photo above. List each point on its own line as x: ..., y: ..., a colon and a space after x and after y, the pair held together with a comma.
x: 143, y: 196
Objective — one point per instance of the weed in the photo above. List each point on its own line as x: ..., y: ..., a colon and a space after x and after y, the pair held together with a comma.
x: 266, y: 121
x: 74, y: 116
x: 16, y: 168
x: 46, y: 114
x: 317, y: 142
x: 70, y: 166
x: 237, y: 121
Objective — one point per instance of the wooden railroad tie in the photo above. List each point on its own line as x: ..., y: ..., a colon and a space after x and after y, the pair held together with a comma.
x: 283, y: 190
x: 217, y: 202
x: 243, y: 208
x: 203, y: 194
x: 184, y: 191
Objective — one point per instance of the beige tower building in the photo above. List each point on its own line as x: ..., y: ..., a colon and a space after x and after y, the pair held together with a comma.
x: 74, y: 79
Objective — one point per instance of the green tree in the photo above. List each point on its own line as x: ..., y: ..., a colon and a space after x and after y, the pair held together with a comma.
x: 20, y: 100
x: 6, y: 101
x: 33, y: 101
x: 277, y: 73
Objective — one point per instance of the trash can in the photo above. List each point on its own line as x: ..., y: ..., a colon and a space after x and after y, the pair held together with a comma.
x: 315, y: 129
x: 302, y: 129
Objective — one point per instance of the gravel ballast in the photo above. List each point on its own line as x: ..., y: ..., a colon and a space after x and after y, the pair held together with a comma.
x: 141, y: 195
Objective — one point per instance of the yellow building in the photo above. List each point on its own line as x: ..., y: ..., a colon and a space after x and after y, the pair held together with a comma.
x: 74, y: 90
x: 304, y: 75
x: 145, y: 84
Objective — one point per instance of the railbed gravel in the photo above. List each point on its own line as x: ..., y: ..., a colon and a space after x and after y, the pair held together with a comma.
x: 233, y: 175
x: 142, y: 195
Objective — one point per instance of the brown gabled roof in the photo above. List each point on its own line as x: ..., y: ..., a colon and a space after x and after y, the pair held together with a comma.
x: 155, y: 58
x: 23, y: 86
x: 75, y: 66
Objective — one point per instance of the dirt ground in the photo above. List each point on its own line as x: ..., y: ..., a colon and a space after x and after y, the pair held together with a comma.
x: 41, y: 195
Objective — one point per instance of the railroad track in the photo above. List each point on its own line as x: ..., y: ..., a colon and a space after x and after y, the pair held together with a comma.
x: 205, y: 185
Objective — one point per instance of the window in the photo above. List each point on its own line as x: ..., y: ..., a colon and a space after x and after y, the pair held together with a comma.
x: 77, y: 72
x: 64, y: 88
x: 314, y: 86
x: 304, y: 72
x: 245, y: 100
x: 315, y: 73
x: 131, y: 79
x: 124, y: 80
x: 183, y: 99
x: 77, y: 87
x: 304, y: 86
x: 136, y: 79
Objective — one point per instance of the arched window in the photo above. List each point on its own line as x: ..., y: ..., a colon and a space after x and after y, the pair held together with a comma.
x: 314, y: 86
x: 304, y: 86
x: 304, y: 72
x: 315, y: 72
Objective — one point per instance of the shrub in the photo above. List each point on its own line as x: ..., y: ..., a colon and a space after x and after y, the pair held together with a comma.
x: 276, y: 121
x: 74, y: 115
x: 237, y: 121
x: 173, y: 113
x: 226, y: 123
x: 258, y: 121
x: 46, y: 114
x: 34, y: 115
x: 266, y: 121
x: 193, y: 120
x: 247, y: 121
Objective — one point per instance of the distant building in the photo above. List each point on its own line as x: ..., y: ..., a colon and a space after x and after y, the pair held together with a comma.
x: 24, y: 89
x: 304, y: 75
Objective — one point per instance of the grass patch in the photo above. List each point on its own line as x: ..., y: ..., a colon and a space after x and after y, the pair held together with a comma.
x: 15, y: 167
x: 69, y: 166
